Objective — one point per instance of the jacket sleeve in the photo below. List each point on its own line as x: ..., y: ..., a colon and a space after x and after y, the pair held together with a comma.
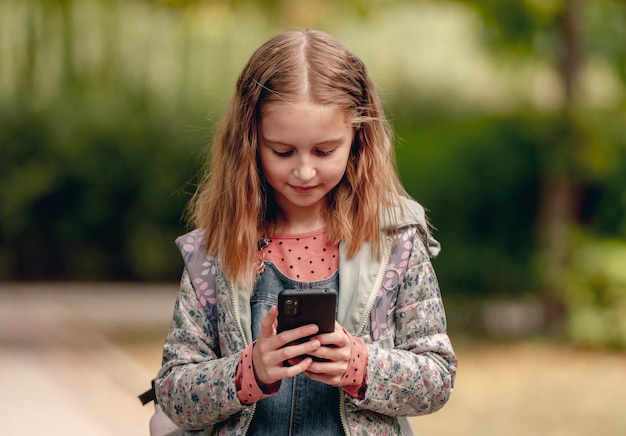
x: 416, y: 375
x: 195, y: 386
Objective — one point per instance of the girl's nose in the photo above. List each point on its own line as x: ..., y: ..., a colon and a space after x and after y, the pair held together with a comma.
x: 305, y: 171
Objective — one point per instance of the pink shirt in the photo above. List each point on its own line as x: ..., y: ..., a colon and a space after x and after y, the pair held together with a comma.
x: 305, y: 257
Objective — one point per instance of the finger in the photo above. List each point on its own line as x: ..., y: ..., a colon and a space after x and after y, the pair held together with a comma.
x: 299, y: 350
x: 296, y: 360
x: 330, y: 367
x: 338, y: 338
x: 292, y: 335
x: 298, y: 367
x: 270, y: 354
x: 327, y: 368
x: 339, y: 356
x: 268, y: 323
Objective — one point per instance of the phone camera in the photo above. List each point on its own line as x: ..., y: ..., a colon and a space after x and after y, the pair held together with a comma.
x: 291, y: 307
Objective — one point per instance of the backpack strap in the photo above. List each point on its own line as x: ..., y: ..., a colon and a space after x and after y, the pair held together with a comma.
x: 202, y: 270
x: 149, y: 395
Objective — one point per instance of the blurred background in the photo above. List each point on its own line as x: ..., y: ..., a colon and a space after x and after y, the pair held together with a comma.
x: 510, y: 119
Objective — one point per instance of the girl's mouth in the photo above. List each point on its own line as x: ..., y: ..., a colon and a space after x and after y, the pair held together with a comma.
x: 303, y: 189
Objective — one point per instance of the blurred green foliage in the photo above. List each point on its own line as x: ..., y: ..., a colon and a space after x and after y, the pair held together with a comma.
x: 89, y: 198
x: 106, y: 108
x: 479, y: 177
x: 595, y: 293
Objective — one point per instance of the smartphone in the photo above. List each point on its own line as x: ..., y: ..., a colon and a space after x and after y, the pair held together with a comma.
x: 298, y: 307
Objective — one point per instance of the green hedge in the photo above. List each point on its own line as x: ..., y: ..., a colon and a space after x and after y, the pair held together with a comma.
x: 90, y: 197
x: 479, y: 178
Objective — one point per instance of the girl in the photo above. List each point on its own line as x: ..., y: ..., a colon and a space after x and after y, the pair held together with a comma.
x: 301, y: 192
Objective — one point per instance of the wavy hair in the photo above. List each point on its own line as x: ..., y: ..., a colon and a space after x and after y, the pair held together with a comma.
x: 233, y: 202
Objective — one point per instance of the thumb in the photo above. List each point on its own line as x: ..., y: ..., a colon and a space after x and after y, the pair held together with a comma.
x: 269, y: 323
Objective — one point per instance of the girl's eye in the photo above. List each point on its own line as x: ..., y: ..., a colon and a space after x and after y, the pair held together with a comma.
x: 323, y: 152
x: 283, y: 153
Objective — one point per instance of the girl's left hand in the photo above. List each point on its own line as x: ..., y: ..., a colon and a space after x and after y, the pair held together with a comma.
x: 335, y: 351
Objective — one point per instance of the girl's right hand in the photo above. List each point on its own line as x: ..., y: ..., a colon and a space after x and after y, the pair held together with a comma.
x: 270, y: 350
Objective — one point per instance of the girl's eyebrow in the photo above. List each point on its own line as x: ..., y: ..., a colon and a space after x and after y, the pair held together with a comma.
x: 325, y: 142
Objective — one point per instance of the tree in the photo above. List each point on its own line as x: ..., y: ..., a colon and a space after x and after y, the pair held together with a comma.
x: 562, y: 32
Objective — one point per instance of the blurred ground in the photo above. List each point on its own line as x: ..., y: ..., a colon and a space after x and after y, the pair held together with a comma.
x: 61, y: 372
x: 73, y: 359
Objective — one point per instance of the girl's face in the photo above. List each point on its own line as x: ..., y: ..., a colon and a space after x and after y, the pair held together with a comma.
x: 304, y: 149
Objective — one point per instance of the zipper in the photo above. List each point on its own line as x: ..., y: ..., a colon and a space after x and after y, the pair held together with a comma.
x: 235, y: 300
x: 374, y: 293
x: 363, y: 321
x: 342, y: 411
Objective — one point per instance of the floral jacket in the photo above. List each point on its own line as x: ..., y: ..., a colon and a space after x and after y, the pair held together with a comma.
x: 393, y: 304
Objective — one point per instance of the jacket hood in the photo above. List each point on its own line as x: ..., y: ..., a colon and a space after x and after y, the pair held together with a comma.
x: 410, y: 213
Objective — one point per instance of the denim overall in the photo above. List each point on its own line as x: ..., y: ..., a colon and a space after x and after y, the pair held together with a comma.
x: 302, y: 406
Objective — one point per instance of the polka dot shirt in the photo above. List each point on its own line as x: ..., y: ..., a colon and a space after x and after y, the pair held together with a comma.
x: 305, y: 257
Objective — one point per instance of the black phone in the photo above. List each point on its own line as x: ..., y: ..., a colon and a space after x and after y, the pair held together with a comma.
x: 298, y: 307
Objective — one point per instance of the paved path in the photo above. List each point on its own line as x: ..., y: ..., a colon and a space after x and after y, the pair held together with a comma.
x: 59, y: 374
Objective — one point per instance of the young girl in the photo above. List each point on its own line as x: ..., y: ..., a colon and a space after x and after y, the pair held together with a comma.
x: 301, y: 192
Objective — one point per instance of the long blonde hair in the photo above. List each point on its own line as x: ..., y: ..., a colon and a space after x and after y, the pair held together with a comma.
x: 235, y: 205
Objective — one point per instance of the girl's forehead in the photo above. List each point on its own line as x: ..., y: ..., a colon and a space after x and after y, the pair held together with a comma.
x: 304, y: 123
x: 286, y: 107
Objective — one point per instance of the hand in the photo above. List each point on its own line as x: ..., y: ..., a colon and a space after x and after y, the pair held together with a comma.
x: 271, y: 350
x: 336, y: 352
